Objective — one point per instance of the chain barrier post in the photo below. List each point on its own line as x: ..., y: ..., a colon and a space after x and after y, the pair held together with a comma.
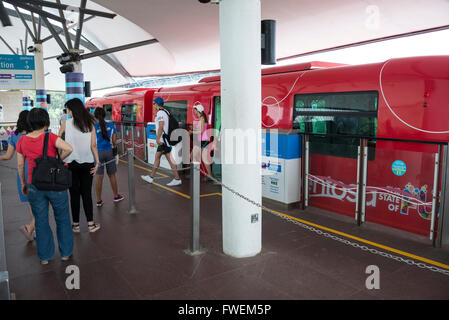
x: 304, y: 172
x: 195, y: 208
x: 4, y: 276
x: 122, y: 138
x: 443, y: 219
x: 436, y: 190
x: 361, y: 181
x: 131, y: 185
x: 145, y: 150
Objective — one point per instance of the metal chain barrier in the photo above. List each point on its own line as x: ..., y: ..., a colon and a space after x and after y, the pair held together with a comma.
x: 331, y: 236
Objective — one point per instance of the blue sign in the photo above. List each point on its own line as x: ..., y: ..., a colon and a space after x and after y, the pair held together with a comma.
x: 399, y: 168
x: 16, y: 62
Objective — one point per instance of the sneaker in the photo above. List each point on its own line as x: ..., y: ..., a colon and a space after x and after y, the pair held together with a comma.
x: 119, y: 198
x: 94, y: 227
x: 174, y: 182
x: 66, y: 258
x: 147, y: 179
x: 44, y: 262
x: 100, y: 203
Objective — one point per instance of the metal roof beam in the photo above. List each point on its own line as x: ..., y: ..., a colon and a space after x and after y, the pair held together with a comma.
x: 25, y: 24
x: 71, y: 8
x: 36, y: 10
x: 4, y: 17
x: 55, y: 34
x: 6, y: 43
x: 80, y: 25
x: 119, y: 48
x: 64, y: 27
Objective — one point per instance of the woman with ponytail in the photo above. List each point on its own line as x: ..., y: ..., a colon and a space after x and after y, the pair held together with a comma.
x: 106, y: 141
x: 83, y: 161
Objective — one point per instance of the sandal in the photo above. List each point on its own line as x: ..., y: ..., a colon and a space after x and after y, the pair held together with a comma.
x: 76, y: 227
x: 93, y: 227
x: 28, y: 235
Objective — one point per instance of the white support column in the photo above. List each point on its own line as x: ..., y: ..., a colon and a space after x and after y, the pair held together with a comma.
x: 39, y: 66
x: 240, y: 41
x: 41, y: 93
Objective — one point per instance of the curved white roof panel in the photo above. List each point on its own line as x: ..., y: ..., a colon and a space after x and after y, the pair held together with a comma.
x: 188, y: 33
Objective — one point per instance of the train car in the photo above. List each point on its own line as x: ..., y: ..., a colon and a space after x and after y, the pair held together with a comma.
x: 398, y: 99
x: 133, y: 105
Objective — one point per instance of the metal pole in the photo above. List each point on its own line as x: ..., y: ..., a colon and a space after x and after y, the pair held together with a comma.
x: 364, y: 177
x: 122, y: 139
x: 131, y: 185
x: 195, y: 208
x: 361, y: 182
x: 4, y: 276
x: 145, y: 146
x: 435, y: 195
x: 443, y: 219
x: 306, y: 181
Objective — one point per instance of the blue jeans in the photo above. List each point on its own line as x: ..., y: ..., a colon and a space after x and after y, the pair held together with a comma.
x: 59, y: 200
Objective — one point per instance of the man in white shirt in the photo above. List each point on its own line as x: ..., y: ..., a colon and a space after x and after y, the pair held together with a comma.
x: 164, y: 147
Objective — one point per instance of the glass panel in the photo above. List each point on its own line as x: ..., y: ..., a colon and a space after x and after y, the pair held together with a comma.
x: 178, y: 109
x: 108, y: 109
x: 400, y: 186
x: 332, y: 180
x: 342, y: 113
x: 129, y: 112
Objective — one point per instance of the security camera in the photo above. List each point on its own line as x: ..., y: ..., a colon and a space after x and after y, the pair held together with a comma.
x: 32, y: 49
x: 67, y: 68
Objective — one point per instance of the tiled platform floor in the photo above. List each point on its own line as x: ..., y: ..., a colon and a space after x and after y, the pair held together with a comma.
x: 142, y: 256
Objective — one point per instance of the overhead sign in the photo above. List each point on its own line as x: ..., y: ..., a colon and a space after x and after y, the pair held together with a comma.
x: 17, y: 72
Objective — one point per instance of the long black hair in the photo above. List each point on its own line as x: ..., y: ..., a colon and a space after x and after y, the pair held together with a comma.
x: 22, y: 123
x: 100, y: 114
x: 82, y: 119
x: 203, y: 114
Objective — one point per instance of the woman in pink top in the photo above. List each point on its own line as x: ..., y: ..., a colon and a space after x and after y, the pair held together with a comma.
x: 200, y: 128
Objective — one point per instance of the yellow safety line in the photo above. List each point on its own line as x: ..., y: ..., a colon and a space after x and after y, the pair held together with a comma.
x: 406, y: 254
x: 367, y: 242
x: 146, y: 169
x: 210, y: 194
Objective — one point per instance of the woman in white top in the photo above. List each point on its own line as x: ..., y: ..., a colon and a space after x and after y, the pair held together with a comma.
x: 83, y: 161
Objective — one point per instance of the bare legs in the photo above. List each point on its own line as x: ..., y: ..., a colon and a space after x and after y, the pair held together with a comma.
x: 99, y: 185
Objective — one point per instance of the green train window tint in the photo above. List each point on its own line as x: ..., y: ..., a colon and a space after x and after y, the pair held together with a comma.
x: 178, y: 109
x: 341, y: 113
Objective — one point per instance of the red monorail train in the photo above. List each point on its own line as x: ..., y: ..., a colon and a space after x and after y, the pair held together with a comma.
x: 403, y: 98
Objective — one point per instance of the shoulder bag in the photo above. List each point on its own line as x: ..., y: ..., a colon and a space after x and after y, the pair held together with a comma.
x: 50, y: 174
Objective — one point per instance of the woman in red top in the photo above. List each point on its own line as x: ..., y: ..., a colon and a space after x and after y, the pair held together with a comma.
x: 29, y: 148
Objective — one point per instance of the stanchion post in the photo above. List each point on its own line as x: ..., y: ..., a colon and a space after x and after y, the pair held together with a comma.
x: 194, y: 210
x: 361, y: 181
x: 131, y: 185
x: 145, y: 151
x: 122, y: 138
x: 4, y: 276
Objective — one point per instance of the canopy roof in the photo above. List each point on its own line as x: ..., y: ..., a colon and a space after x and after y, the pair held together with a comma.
x: 187, y: 33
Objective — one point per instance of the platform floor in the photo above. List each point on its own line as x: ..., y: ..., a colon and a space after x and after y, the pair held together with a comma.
x: 142, y: 256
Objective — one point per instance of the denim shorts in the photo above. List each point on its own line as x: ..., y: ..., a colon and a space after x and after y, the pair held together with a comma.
x: 106, y: 156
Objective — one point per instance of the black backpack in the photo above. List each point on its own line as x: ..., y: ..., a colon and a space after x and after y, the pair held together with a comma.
x: 50, y: 174
x: 172, y: 125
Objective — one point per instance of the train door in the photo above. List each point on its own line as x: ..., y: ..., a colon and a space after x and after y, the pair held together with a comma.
x: 128, y: 115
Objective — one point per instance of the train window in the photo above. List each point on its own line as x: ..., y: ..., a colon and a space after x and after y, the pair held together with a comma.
x: 129, y: 112
x: 108, y: 109
x: 178, y: 109
x: 341, y: 113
